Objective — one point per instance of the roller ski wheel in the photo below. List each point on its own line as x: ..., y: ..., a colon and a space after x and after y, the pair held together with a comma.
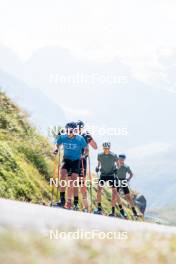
x: 85, y: 210
x: 98, y: 212
x: 138, y: 217
x: 112, y: 215
x: 123, y: 216
x: 58, y: 205
x: 76, y: 208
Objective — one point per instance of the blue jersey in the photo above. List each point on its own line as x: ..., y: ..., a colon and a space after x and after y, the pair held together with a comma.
x: 72, y: 146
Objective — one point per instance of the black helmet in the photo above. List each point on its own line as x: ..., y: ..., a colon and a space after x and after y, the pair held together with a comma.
x: 122, y: 156
x: 71, y: 125
x: 106, y: 145
x: 80, y: 124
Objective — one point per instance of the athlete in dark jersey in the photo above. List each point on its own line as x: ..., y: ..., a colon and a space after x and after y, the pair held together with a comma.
x: 83, y: 165
x: 107, y: 165
x: 122, y: 171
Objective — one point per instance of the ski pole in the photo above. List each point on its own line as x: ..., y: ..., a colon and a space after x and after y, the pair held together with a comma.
x: 84, y: 187
x: 90, y: 178
x: 58, y: 177
x: 82, y: 161
x: 52, y: 195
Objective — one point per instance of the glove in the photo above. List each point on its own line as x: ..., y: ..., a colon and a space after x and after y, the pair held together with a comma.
x: 55, y: 151
x: 115, y: 171
x: 97, y: 169
x: 89, y: 137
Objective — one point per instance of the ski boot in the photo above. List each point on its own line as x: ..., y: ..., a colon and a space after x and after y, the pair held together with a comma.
x: 135, y: 214
x: 68, y: 205
x: 60, y: 204
x: 85, y: 210
x: 112, y: 214
x: 123, y: 214
x: 98, y: 211
x: 76, y: 207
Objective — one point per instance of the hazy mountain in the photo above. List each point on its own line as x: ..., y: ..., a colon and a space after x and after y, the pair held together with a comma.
x: 42, y: 110
x: 145, y: 111
x: 155, y: 174
x: 10, y: 62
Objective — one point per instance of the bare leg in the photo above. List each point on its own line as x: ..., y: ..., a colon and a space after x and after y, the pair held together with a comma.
x: 63, y: 179
x: 84, y: 196
x: 75, y: 184
x: 83, y: 190
x: 99, y: 194
x: 118, y: 200
x: 120, y: 204
x: 129, y: 199
x: 71, y: 189
x: 114, y: 197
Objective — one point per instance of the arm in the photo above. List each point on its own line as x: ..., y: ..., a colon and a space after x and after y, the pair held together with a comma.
x: 91, y: 141
x: 93, y: 144
x: 99, y: 165
x: 57, y: 144
x: 116, y: 162
x: 86, y: 151
x: 130, y: 174
x: 84, y: 146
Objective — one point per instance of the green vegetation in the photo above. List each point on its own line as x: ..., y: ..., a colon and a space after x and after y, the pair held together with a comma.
x: 25, y: 156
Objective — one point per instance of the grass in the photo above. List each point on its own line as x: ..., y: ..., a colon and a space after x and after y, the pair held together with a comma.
x: 25, y: 156
x: 33, y: 248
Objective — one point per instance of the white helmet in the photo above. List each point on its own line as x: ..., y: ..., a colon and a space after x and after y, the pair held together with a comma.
x: 106, y: 145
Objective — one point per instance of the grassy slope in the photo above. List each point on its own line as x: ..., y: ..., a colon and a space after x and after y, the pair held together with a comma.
x: 25, y: 158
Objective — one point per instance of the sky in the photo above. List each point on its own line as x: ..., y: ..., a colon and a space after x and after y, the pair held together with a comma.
x: 137, y: 36
x: 135, y: 31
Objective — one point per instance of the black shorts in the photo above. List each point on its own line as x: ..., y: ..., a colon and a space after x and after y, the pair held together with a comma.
x: 107, y: 178
x: 72, y: 166
x: 125, y: 189
x: 83, y: 167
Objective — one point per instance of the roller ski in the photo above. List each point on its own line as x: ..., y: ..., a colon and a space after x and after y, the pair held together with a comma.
x: 68, y: 205
x: 76, y: 207
x: 58, y: 204
x: 85, y: 210
x: 112, y: 214
x: 123, y: 214
x: 98, y: 211
x: 136, y: 216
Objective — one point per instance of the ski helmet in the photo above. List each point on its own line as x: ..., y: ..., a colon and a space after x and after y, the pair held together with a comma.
x: 71, y: 125
x: 80, y: 124
x: 122, y: 156
x: 106, y: 145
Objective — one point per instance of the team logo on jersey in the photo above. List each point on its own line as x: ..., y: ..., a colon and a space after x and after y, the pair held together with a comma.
x: 70, y: 146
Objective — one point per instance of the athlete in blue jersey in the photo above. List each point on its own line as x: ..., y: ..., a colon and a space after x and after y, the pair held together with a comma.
x: 73, y: 144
